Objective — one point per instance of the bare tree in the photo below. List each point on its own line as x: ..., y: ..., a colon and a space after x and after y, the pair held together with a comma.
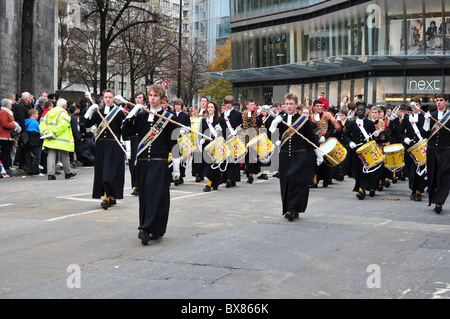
x: 110, y: 15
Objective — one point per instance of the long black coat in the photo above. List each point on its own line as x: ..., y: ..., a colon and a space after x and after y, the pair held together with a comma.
x: 152, y: 173
x: 109, y: 165
x: 296, y: 159
x: 366, y: 181
x: 438, y: 164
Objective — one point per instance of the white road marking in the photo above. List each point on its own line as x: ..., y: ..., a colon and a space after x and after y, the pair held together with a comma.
x: 72, y: 215
x: 3, y: 205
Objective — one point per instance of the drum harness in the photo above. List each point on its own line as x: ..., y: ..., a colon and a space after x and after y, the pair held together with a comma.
x: 417, y: 132
x: 214, y: 132
x: 367, y: 137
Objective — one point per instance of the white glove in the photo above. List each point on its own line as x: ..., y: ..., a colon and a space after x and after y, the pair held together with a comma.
x: 319, y: 155
x: 258, y: 111
x: 17, y: 128
x: 393, y: 117
x: 427, y: 115
x: 376, y: 133
x: 278, y: 143
x: 278, y: 119
x: 90, y: 111
x: 218, y: 128
x: 202, y: 141
x: 183, y: 131
x: 128, y: 148
x: 352, y: 145
x: 322, y: 139
x: 135, y: 110
x: 407, y: 141
x: 48, y: 135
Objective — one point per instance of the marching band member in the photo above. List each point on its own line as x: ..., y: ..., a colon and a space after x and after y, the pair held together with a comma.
x: 295, y: 158
x: 251, y: 122
x: 182, y: 118
x: 358, y: 133
x: 411, y: 132
x: 377, y: 115
x: 215, y: 126
x: 109, y: 164
x: 266, y: 122
x: 132, y: 144
x: 198, y: 163
x: 152, y: 155
x: 327, y: 124
x: 438, y: 153
x: 233, y: 119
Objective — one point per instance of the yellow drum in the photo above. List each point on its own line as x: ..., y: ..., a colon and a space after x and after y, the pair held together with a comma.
x: 195, y: 125
x: 418, y: 152
x: 237, y: 147
x: 218, y: 150
x: 371, y: 155
x: 394, y: 157
x: 186, y: 146
x: 263, y: 146
x: 335, y: 151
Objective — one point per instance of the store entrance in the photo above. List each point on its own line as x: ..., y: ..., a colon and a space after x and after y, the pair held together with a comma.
x: 428, y: 100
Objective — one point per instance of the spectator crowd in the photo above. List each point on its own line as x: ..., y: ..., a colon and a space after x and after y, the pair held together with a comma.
x: 21, y: 144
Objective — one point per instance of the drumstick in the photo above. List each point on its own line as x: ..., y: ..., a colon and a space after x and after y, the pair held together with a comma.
x: 412, y: 104
x: 88, y: 95
x: 122, y: 100
x: 301, y: 135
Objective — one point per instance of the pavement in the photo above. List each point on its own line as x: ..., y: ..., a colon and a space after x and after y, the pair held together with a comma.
x: 229, y: 244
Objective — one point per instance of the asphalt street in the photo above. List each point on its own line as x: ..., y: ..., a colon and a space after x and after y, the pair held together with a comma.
x: 57, y: 243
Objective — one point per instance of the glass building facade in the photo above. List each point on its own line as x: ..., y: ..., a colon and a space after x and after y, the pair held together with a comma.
x: 387, y: 50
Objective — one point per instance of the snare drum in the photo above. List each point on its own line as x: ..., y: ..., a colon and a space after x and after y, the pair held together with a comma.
x: 370, y: 154
x: 186, y: 146
x: 218, y: 150
x: 237, y: 148
x: 418, y: 152
x: 394, y: 157
x: 334, y: 150
x: 263, y: 146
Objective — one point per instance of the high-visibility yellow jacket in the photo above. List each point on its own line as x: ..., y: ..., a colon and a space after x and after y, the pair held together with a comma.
x: 57, y: 120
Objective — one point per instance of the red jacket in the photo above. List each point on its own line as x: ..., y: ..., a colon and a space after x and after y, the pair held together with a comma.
x: 6, y: 125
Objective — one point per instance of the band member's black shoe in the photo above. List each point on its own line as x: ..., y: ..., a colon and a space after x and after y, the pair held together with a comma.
x: 207, y: 188
x: 228, y: 185
x: 104, y: 204
x: 372, y: 193
x: 135, y: 192
x: 438, y: 208
x: 360, y: 195
x: 250, y: 179
x: 418, y: 198
x: 289, y: 216
x: 263, y: 176
x: 313, y: 185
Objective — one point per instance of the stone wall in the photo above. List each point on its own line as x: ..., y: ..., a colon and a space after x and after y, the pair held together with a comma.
x: 44, y: 46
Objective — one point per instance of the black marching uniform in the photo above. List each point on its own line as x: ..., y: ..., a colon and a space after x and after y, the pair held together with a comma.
x: 153, y: 168
x: 296, y: 156
x: 353, y: 133
x: 232, y: 173
x: 416, y: 181
x: 184, y: 119
x: 438, y: 164
x: 213, y: 174
x: 109, y: 162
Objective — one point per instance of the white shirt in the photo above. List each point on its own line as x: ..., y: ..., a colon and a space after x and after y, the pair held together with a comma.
x: 151, y: 116
x: 289, y: 119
